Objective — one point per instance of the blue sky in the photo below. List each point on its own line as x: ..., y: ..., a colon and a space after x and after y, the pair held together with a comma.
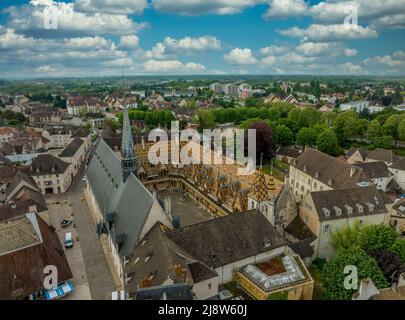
x: 106, y: 37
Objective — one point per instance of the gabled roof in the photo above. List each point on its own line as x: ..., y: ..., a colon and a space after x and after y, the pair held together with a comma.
x: 71, y: 149
x: 374, y: 170
x: 200, y: 272
x: 329, y: 170
x: 383, y: 155
x: 361, y: 201
x: 152, y: 258
x: 130, y: 200
x: 19, y: 178
x: 399, y: 164
x: 48, y: 164
x: 363, y: 152
x: 224, y: 240
x: 289, y: 152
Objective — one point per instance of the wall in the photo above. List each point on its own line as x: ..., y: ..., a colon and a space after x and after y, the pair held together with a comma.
x: 325, y: 249
x: 204, y: 291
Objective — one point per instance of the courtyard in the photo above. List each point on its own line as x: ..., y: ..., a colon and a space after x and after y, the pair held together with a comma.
x: 185, y: 208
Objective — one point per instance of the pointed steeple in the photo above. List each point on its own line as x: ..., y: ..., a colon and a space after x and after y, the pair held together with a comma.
x: 127, y: 148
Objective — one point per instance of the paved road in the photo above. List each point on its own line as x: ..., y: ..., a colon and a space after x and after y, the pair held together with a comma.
x: 99, y: 277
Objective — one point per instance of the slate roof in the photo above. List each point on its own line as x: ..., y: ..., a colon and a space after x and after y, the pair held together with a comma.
x: 329, y: 169
x: 224, y: 240
x: 17, y: 179
x: 374, y: 170
x: 363, y: 152
x: 131, y: 201
x: 399, y: 207
x: 161, y: 262
x: 289, y: 152
x: 71, y: 149
x: 200, y: 272
x: 332, y: 199
x: 170, y: 292
x: 21, y: 271
x: 299, y: 230
x: 80, y: 133
x: 48, y: 164
x: 303, y: 248
x: 22, y: 205
x: 383, y: 155
x: 399, y: 164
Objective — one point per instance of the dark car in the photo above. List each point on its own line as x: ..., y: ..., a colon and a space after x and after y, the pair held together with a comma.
x: 65, y: 223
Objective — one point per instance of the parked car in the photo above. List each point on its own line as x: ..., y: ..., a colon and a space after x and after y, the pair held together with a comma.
x: 84, y: 179
x: 66, y: 222
x: 68, y: 240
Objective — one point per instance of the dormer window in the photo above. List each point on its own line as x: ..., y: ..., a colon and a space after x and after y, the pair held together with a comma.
x: 370, y: 206
x: 338, y: 211
x: 330, y: 182
x: 359, y: 207
x: 326, y: 212
x: 305, y: 168
x: 349, y: 209
x: 317, y: 174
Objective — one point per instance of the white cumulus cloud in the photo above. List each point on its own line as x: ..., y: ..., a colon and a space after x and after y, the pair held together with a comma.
x: 240, y: 56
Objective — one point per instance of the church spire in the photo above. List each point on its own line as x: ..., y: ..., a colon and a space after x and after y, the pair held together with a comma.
x: 127, y: 148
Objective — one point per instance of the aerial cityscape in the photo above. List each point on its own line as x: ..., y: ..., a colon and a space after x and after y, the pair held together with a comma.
x: 225, y: 151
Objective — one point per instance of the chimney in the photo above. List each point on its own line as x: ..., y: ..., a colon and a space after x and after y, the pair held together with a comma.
x: 168, y: 206
x: 352, y: 171
x: 146, y: 283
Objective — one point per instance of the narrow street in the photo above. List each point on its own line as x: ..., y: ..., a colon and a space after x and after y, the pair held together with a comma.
x: 100, y: 280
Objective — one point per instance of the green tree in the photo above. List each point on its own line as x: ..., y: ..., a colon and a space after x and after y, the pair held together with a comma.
x: 283, y: 135
x: 384, y: 142
x: 398, y: 247
x: 205, y: 119
x: 377, y: 237
x: 374, y: 130
x: 401, y: 130
x: 306, y: 137
x: 391, y: 125
x: 328, y: 143
x: 334, y: 276
x: 347, y: 237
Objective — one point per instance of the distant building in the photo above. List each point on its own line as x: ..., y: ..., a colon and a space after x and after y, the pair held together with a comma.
x: 78, y: 105
x: 6, y: 135
x: 357, y: 106
x: 375, y: 108
x: 216, y: 88
x: 230, y: 89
